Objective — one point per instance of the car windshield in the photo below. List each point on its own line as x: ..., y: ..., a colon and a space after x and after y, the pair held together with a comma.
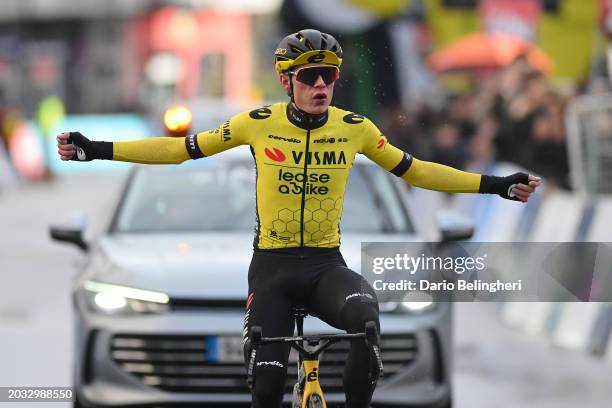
x: 222, y: 198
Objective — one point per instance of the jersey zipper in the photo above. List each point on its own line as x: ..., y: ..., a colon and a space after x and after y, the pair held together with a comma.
x: 304, y: 183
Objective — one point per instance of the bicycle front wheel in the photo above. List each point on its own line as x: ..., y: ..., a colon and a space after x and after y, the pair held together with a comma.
x: 315, y: 401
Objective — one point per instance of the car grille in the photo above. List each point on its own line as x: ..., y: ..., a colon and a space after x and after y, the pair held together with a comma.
x: 180, y: 363
x: 182, y: 304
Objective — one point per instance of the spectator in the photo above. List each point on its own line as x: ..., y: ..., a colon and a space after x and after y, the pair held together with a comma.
x: 449, y: 147
x: 511, y: 115
x: 550, y: 154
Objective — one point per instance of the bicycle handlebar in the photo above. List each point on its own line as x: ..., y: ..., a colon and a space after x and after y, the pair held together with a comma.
x: 370, y: 336
x: 337, y: 337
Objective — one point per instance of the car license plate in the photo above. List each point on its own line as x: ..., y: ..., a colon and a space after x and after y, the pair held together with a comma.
x: 224, y: 349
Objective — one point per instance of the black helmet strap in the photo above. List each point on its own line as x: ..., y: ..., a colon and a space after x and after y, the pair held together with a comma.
x: 290, y: 92
x: 297, y: 108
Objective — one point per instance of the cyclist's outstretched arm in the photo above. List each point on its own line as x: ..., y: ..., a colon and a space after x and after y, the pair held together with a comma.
x: 434, y: 176
x: 155, y: 150
x: 438, y: 177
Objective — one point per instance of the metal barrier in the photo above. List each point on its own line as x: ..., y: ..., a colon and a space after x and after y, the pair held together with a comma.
x: 556, y: 206
x: 589, y: 140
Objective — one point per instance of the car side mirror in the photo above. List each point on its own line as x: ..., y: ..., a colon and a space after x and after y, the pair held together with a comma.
x: 69, y: 234
x: 454, y: 226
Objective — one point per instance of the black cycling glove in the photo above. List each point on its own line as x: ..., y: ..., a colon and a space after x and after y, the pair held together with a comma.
x: 87, y: 150
x: 502, y: 185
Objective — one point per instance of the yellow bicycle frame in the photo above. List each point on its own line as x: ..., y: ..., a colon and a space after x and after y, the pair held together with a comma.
x: 312, y: 386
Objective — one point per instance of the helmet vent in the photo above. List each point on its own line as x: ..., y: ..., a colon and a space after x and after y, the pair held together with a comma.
x: 309, y: 45
x: 296, y: 49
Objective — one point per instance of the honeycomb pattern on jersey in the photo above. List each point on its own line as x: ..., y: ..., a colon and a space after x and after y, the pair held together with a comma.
x: 321, y: 216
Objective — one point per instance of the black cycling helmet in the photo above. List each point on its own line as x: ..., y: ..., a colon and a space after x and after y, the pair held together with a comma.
x: 307, y: 46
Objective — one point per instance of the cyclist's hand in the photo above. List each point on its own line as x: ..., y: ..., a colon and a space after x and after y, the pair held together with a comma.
x: 523, y: 191
x: 65, y: 148
x: 517, y: 186
x: 75, y: 146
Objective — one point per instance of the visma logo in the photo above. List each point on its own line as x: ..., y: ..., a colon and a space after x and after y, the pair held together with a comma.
x: 275, y: 154
x: 226, y: 131
x: 316, y: 158
x: 320, y: 158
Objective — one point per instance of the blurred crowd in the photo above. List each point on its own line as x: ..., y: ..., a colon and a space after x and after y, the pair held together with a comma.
x: 513, y: 115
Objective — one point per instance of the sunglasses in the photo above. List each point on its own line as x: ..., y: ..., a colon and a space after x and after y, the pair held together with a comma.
x: 310, y: 75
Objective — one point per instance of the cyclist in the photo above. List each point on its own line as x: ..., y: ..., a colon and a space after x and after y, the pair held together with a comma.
x: 303, y: 150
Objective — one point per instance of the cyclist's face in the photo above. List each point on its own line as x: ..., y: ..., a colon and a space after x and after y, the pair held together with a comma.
x: 313, y: 86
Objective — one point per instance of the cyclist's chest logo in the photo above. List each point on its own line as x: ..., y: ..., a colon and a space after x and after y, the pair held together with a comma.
x: 325, y: 158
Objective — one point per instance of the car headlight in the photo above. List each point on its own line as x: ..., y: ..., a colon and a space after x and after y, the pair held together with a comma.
x: 114, y: 299
x: 414, y: 303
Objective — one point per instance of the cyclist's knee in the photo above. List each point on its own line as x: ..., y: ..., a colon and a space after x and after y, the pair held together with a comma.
x: 269, y: 384
x: 359, y: 310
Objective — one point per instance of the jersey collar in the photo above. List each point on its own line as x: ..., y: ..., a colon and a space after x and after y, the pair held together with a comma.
x: 305, y: 120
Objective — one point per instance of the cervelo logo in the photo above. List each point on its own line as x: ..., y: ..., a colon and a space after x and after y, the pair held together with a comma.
x: 284, y: 139
x: 270, y: 363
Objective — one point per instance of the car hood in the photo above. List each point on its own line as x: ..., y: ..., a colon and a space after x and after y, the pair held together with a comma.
x: 194, y: 265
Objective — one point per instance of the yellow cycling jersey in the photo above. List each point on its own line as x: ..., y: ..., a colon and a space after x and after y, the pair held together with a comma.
x: 302, y: 165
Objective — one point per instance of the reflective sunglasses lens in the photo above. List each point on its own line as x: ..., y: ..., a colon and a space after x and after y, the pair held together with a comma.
x: 329, y: 75
x: 309, y: 76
